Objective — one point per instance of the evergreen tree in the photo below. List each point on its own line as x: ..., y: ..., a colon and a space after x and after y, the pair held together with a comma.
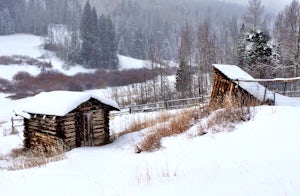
x: 241, y: 56
x: 139, y: 45
x: 6, y: 23
x: 36, y: 19
x: 123, y: 50
x: 99, y: 45
x: 259, y: 54
x: 108, y: 43
x: 103, y: 42
x: 88, y: 37
x: 95, y: 60
x: 184, y: 75
x: 113, y: 46
x: 74, y: 53
x: 260, y: 51
x: 183, y: 79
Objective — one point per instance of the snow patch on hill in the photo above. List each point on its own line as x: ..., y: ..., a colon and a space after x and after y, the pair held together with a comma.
x: 31, y: 45
x: 131, y: 63
x: 21, y: 44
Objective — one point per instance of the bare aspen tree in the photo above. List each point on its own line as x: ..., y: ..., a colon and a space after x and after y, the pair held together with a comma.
x: 156, y: 55
x: 255, y: 14
x: 153, y: 58
x: 287, y: 34
x: 206, y: 55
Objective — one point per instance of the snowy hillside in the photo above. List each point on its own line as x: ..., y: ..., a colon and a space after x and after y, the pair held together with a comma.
x: 260, y: 157
x: 131, y: 63
x: 31, y: 45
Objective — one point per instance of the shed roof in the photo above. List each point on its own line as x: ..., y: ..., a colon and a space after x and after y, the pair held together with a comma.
x: 234, y: 73
x: 60, y: 103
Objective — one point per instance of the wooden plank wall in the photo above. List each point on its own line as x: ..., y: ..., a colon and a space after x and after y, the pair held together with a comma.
x: 98, y: 128
x: 100, y: 122
x: 221, y: 87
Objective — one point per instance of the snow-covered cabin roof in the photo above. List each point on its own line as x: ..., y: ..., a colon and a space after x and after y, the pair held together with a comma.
x: 59, y: 103
x: 235, y: 74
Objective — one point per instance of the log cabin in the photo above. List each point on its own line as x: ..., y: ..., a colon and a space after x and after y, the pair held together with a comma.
x: 63, y: 120
x: 230, y: 81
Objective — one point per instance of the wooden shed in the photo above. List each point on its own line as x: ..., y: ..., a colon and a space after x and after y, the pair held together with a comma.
x: 232, y: 82
x: 63, y: 120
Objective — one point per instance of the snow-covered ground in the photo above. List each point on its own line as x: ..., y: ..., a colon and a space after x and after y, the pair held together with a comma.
x: 131, y: 63
x: 259, y: 157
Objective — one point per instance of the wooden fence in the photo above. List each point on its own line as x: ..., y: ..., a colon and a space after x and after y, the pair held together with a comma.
x: 15, y: 122
x: 164, y: 105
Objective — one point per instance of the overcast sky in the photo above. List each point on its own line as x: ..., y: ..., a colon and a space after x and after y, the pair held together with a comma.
x: 278, y: 5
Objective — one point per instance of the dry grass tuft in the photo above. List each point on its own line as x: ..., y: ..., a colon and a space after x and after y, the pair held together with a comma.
x: 179, y: 123
x: 173, y: 125
x: 150, y: 143
x: 227, y: 117
x: 138, y: 123
x: 135, y: 124
x: 30, y: 162
x: 24, y: 159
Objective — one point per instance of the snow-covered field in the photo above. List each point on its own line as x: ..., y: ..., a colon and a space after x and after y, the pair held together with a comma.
x: 259, y: 157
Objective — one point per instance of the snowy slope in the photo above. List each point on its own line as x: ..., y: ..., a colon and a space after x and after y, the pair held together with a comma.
x: 22, y: 44
x: 31, y: 45
x: 131, y: 63
x: 260, y: 157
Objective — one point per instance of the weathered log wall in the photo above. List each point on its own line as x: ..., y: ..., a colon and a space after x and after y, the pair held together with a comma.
x: 223, y: 88
x: 41, y: 134
x: 67, y: 126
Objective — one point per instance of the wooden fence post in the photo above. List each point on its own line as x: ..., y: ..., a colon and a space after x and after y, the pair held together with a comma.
x: 265, y: 93
x: 12, y: 126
